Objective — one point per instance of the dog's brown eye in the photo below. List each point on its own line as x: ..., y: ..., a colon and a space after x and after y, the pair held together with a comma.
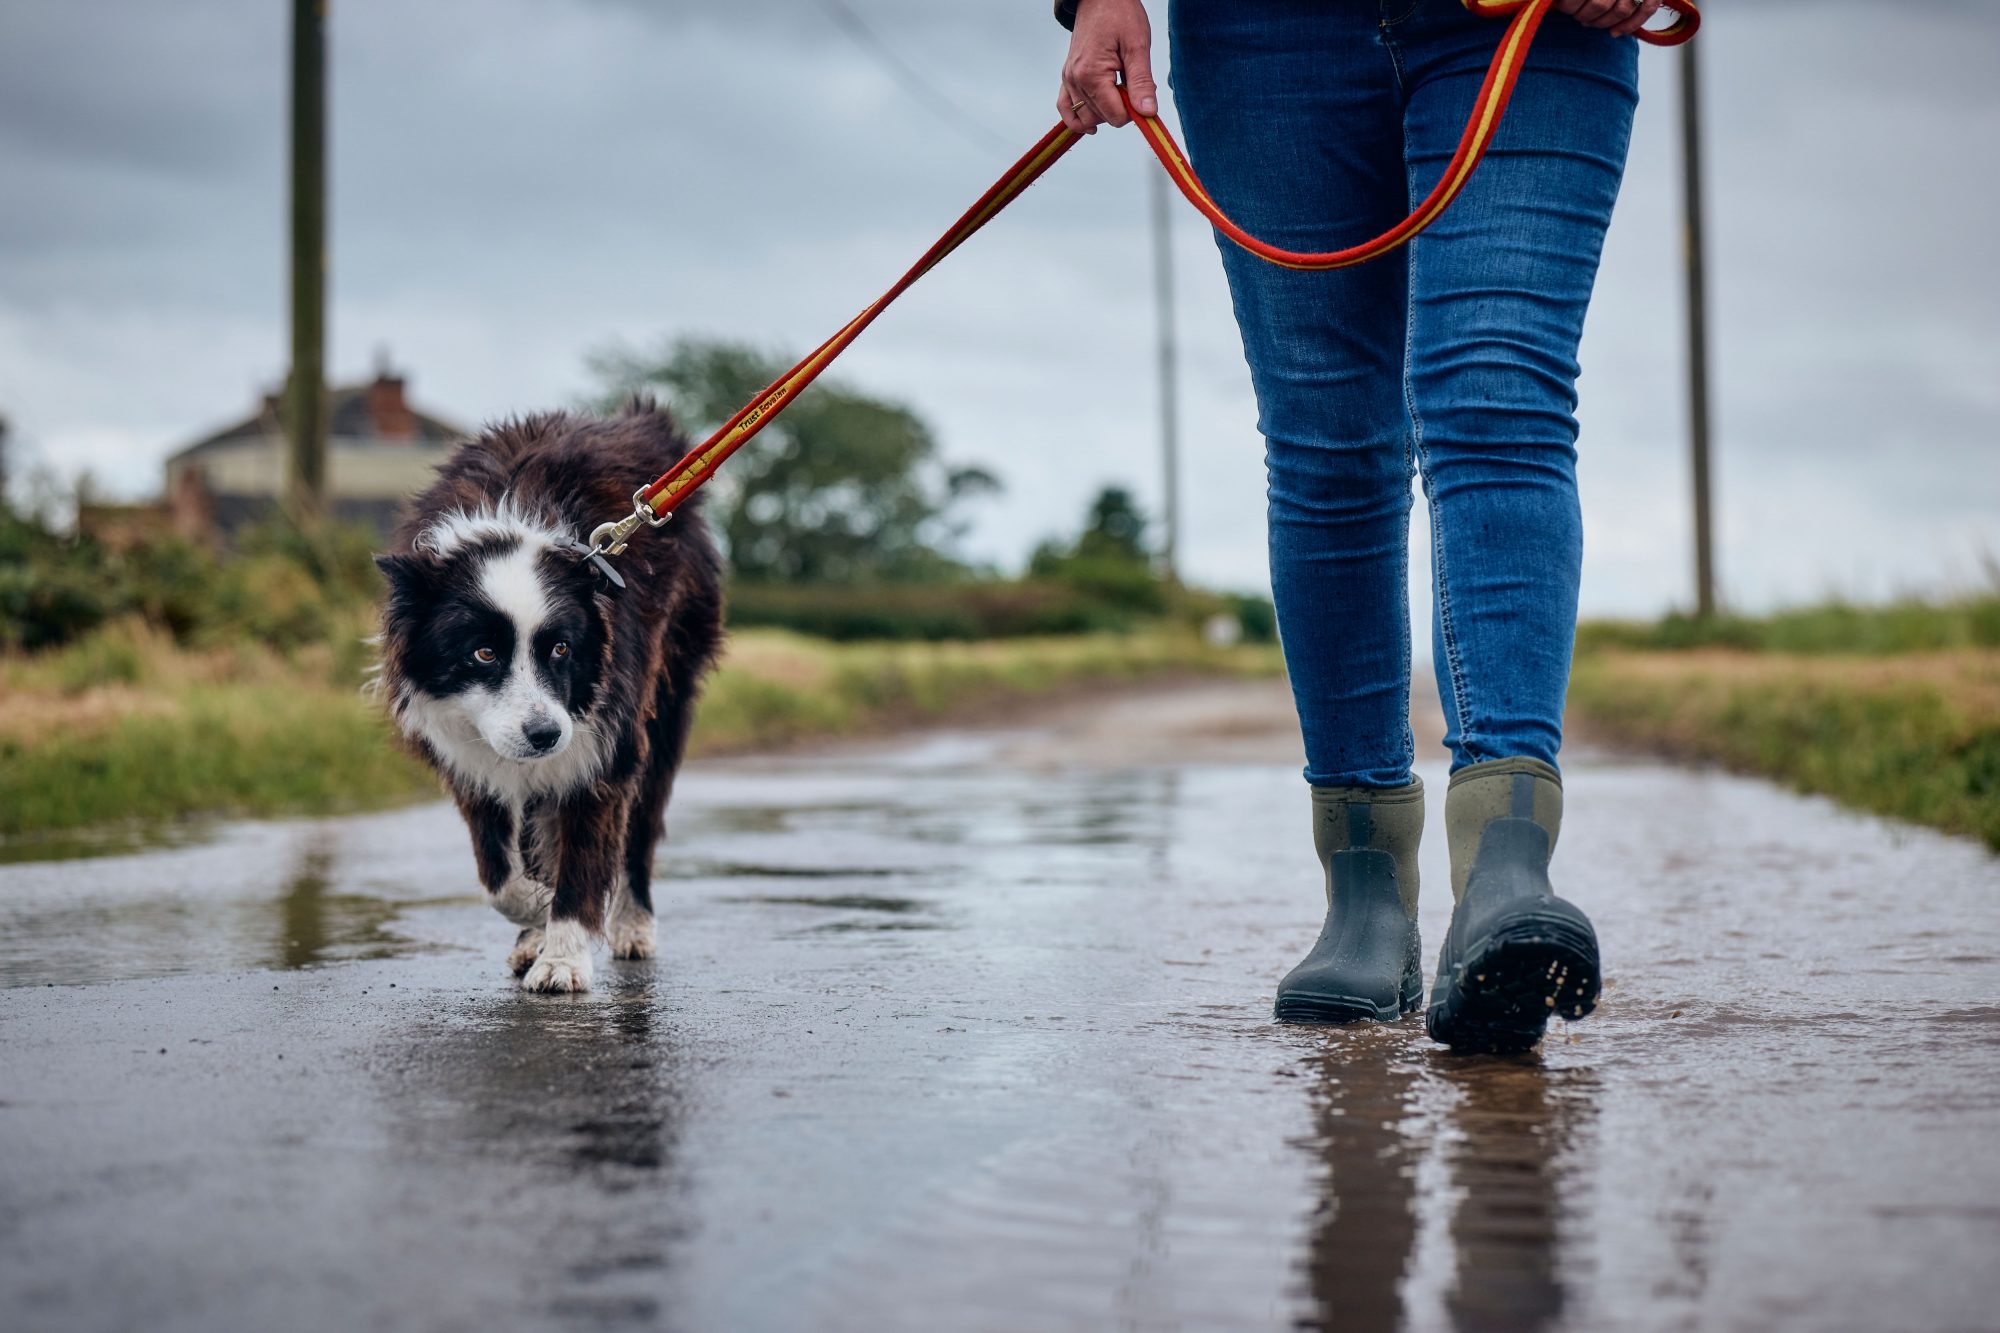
x: 485, y: 656
x: 560, y: 651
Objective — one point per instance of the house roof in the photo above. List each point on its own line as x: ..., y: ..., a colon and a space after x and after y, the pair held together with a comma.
x: 375, y: 411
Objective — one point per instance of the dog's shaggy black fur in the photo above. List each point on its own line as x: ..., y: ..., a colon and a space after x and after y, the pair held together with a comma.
x: 554, y: 704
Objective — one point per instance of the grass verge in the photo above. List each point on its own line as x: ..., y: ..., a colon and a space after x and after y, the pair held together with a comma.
x: 1914, y: 735
x: 124, y: 727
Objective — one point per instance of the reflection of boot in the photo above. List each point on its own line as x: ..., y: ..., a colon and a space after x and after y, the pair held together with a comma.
x: 1515, y: 952
x: 1512, y: 1170
x: 1365, y: 1227
x: 1367, y: 962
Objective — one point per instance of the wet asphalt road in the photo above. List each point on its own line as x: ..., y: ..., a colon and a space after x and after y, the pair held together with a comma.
x: 972, y: 1031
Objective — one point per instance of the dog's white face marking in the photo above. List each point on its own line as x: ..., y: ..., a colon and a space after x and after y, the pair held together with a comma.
x: 510, y: 733
x: 459, y: 528
x: 459, y: 744
x: 520, y: 718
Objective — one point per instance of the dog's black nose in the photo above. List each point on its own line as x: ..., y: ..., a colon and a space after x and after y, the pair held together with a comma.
x: 541, y: 733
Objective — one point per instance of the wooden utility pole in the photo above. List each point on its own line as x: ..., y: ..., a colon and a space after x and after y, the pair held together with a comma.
x: 305, y: 396
x: 1163, y: 304
x: 1697, y: 329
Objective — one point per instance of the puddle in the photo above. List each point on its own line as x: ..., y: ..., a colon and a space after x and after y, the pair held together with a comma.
x: 1045, y: 1092
x: 840, y: 903
x: 257, y: 897
x: 117, y: 840
x: 743, y: 870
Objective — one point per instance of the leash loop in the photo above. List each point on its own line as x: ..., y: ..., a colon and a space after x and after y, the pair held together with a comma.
x: 653, y: 504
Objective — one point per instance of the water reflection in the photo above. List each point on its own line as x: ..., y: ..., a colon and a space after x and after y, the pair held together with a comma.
x: 860, y: 911
x: 316, y: 924
x: 688, y: 868
x: 1507, y: 1133
x: 290, y: 911
x: 110, y: 840
x: 1513, y: 1165
x: 570, y: 1110
x: 303, y: 908
x: 1364, y: 1229
x: 843, y: 902
x: 629, y: 1125
x: 1130, y: 809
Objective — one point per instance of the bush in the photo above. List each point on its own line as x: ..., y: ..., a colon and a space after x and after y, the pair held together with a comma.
x: 282, y: 587
x: 274, y: 601
x: 118, y: 654
x: 339, y: 557
x: 1257, y: 616
x: 1119, y: 584
x: 45, y: 604
x: 1834, y: 627
x: 943, y: 612
x: 931, y: 612
x: 1921, y: 743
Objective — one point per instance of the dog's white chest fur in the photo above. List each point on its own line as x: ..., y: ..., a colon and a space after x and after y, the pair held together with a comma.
x: 454, y: 737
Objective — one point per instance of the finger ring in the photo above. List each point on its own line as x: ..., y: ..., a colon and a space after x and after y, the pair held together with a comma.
x: 1078, y: 105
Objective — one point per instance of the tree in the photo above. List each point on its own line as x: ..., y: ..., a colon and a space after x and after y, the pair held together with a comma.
x: 1113, y: 536
x: 1114, y: 528
x: 1108, y: 558
x: 843, y: 487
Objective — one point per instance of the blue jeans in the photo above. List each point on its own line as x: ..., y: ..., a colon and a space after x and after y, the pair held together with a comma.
x: 1319, y: 123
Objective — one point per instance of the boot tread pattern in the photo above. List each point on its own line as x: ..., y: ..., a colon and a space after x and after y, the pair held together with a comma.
x: 1500, y: 998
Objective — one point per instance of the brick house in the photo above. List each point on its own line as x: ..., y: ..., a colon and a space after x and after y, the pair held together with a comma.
x: 380, y: 452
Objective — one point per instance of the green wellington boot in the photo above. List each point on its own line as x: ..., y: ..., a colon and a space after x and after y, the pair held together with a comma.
x: 1515, y: 953
x: 1368, y: 962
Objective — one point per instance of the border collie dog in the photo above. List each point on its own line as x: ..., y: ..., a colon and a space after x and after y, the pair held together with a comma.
x: 554, y: 703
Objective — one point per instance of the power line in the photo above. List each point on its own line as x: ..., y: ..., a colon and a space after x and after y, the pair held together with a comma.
x: 912, y: 79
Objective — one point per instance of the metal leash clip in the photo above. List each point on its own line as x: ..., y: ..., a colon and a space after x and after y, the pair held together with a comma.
x: 612, y: 538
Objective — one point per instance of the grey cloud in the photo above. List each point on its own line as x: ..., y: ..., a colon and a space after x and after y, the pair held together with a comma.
x: 516, y: 181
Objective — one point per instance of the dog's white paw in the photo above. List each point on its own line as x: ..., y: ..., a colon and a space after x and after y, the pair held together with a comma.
x: 526, y: 949
x: 558, y: 976
x: 564, y: 962
x: 632, y: 935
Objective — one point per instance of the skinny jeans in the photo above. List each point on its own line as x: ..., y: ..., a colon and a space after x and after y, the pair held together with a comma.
x: 1319, y: 123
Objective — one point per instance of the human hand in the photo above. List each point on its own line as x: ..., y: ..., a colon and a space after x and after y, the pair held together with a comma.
x: 1111, y: 37
x: 1621, y: 17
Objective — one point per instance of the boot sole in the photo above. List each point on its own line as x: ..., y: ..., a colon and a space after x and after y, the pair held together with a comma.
x: 1513, y: 981
x: 1305, y: 1007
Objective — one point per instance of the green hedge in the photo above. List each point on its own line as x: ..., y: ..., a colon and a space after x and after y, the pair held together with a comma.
x: 235, y: 749
x: 280, y: 586
x: 125, y: 729
x: 1922, y: 749
x: 941, y: 612
x: 1909, y: 626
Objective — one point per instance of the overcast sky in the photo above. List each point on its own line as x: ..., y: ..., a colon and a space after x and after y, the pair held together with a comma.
x: 516, y: 182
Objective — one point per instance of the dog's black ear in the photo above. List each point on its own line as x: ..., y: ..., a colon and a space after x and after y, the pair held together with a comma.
x: 409, y: 580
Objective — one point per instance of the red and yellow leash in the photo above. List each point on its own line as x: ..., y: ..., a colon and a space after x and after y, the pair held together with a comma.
x: 653, y: 504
